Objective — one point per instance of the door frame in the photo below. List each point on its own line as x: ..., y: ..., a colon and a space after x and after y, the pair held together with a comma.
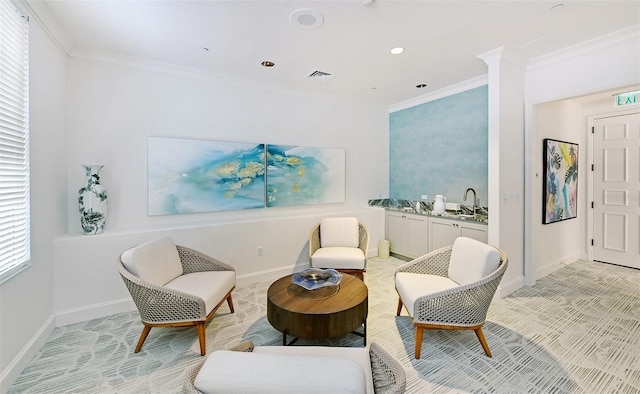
x: 590, y: 181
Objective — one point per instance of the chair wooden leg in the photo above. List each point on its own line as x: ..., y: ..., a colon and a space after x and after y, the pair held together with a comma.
x: 399, y: 306
x: 143, y: 337
x: 418, y: 341
x: 202, y: 328
x: 230, y: 303
x: 483, y: 341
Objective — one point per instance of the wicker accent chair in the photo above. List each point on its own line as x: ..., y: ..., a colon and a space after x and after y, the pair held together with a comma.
x: 387, y: 374
x: 340, y: 243
x: 174, y: 286
x: 451, y: 288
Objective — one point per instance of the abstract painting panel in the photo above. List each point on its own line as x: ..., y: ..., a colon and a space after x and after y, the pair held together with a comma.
x: 560, y: 181
x: 188, y: 175
x: 298, y: 175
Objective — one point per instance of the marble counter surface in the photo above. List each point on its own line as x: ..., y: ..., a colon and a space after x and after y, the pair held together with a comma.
x: 425, y: 208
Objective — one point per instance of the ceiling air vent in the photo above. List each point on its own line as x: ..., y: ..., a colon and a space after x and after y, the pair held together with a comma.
x: 320, y: 75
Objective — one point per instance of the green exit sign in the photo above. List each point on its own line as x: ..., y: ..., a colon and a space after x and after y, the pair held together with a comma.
x: 628, y: 98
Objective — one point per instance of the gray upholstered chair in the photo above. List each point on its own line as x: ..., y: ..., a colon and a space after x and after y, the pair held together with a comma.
x: 340, y: 243
x: 269, y: 369
x: 174, y: 286
x: 451, y: 288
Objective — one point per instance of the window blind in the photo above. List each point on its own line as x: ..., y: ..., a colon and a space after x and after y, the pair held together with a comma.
x: 14, y: 141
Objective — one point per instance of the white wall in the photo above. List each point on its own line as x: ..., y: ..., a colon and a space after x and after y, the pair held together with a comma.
x: 26, y: 304
x: 609, y: 62
x: 558, y: 242
x: 113, y: 108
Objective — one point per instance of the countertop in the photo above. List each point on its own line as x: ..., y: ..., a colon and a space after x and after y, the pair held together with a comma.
x: 424, y: 209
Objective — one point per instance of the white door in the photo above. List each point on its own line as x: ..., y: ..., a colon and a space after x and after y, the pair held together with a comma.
x: 616, y: 190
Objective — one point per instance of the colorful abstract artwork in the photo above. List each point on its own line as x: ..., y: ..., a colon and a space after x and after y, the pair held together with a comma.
x: 298, y: 175
x: 560, y: 181
x: 188, y: 175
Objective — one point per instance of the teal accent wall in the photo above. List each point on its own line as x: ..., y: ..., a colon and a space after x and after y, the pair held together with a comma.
x: 441, y: 147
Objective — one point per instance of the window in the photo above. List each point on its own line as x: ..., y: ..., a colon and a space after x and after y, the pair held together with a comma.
x: 14, y: 142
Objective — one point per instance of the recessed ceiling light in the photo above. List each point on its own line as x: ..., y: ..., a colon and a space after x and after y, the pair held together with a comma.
x: 422, y: 85
x: 396, y: 50
x: 205, y: 49
x: 267, y: 63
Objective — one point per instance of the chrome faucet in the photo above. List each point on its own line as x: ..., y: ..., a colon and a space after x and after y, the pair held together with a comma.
x: 475, y: 198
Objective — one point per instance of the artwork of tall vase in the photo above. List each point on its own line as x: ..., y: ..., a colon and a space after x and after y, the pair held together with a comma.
x: 92, y: 202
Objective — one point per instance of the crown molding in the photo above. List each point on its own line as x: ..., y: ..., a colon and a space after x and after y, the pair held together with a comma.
x: 39, y: 12
x: 438, y: 94
x: 628, y: 33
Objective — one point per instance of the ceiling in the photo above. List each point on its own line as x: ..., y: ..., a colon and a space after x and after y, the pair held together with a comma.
x: 348, y: 39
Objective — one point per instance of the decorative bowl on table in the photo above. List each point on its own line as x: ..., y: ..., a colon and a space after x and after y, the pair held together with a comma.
x: 316, y: 278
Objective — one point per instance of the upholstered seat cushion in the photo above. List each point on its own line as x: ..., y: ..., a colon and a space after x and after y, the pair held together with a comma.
x: 211, y: 286
x: 340, y: 232
x: 262, y: 372
x: 338, y: 257
x: 472, y: 260
x: 357, y: 354
x: 412, y: 286
x: 156, y: 261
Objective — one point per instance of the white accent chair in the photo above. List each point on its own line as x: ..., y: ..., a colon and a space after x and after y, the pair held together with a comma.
x: 174, y: 286
x: 451, y: 288
x: 340, y: 243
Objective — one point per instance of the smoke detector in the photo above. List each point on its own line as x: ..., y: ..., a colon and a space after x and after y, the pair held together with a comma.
x: 306, y: 18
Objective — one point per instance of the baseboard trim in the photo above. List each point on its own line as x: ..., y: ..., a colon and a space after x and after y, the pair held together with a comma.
x: 553, y: 266
x: 506, y: 288
x: 95, y: 311
x: 18, y: 364
x: 275, y: 273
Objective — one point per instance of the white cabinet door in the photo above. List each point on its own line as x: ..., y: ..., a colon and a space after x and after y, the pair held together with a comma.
x: 475, y: 231
x: 442, y: 232
x: 395, y: 232
x: 407, y: 234
x: 416, y: 236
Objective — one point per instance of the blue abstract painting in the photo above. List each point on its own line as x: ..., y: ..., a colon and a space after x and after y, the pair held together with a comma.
x: 298, y: 175
x: 188, y: 175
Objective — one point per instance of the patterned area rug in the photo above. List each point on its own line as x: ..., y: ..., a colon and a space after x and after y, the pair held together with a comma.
x: 576, y: 331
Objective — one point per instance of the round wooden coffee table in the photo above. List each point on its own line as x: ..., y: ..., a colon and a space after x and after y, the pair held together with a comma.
x: 328, y: 312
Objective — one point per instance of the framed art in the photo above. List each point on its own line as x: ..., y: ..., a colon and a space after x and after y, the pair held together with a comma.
x: 299, y: 175
x: 560, y: 188
x: 193, y: 175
